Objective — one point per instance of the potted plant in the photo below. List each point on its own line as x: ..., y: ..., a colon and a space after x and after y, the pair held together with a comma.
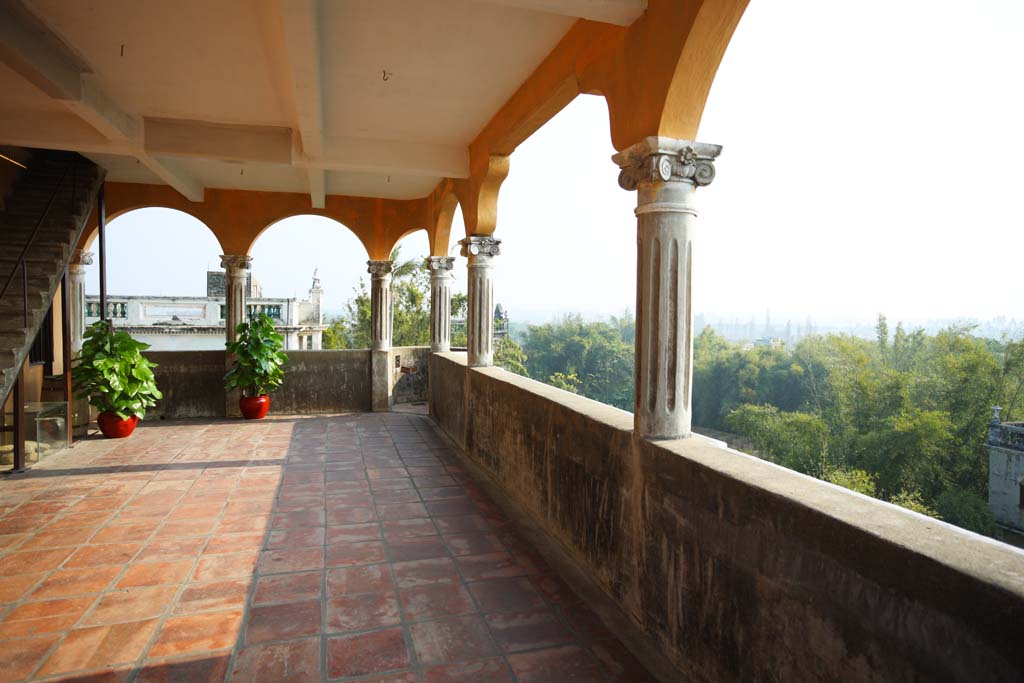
x: 116, y: 378
x: 257, y: 365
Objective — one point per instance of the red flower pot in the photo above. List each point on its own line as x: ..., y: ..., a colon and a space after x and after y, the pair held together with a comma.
x: 254, y: 407
x: 114, y: 427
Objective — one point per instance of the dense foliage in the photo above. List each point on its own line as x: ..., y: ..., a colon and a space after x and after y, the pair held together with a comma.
x: 258, y: 359
x: 113, y: 374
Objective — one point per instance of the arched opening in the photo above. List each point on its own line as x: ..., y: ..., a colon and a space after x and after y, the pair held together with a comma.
x: 162, y: 267
x: 566, y: 276
x: 308, y: 268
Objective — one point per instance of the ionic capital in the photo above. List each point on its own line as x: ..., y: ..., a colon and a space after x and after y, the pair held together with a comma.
x: 80, y: 258
x: 235, y: 262
x: 440, y: 265
x: 662, y: 160
x: 380, y: 268
x: 480, y: 245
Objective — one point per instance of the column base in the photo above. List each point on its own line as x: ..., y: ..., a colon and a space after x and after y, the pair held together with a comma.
x: 381, y: 397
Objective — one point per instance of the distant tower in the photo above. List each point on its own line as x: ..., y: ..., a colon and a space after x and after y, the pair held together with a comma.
x: 315, y: 292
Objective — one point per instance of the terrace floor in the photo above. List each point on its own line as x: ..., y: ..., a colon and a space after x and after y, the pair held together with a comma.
x: 349, y: 548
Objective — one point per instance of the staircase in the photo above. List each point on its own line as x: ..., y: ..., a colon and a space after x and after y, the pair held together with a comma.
x: 67, y: 183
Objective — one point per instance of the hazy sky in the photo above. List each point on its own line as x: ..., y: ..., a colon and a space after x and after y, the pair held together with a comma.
x: 872, y: 162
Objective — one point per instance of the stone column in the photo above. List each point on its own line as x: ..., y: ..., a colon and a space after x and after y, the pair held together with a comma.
x: 380, y: 304
x: 666, y: 173
x: 440, y: 303
x: 237, y: 268
x: 480, y: 250
x: 318, y: 340
x: 76, y: 297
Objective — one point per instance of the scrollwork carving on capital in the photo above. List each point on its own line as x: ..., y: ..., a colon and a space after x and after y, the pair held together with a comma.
x: 380, y: 268
x: 480, y: 245
x: 439, y: 264
x: 688, y: 164
x: 235, y: 262
x: 81, y: 258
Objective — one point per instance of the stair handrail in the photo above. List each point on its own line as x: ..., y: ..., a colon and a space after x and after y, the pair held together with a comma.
x: 72, y: 168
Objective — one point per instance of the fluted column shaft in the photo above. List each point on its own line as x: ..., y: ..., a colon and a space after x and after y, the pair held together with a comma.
x: 236, y: 267
x: 480, y: 250
x: 380, y: 304
x: 665, y: 173
x: 76, y: 297
x: 440, y: 303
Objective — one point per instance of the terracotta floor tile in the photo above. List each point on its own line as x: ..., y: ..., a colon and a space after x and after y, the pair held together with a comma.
x: 155, y: 574
x: 407, y: 528
x: 391, y: 497
x: 213, y: 567
x: 168, y: 549
x: 297, y: 661
x: 213, y: 595
x: 99, y: 555
x: 443, y: 493
x: 300, y: 537
x: 353, y: 533
x: 22, y: 656
x: 452, y: 640
x: 462, y: 524
x: 288, y: 587
x: 366, y: 653
x: 281, y: 622
x: 528, y: 630
x: 443, y: 508
x: 489, y: 566
x: 38, y: 618
x: 556, y: 665
x: 425, y: 572
x: 370, y: 578
x: 14, y: 588
x: 100, y: 646
x: 286, y: 520
x: 69, y: 520
x: 362, y: 612
x: 242, y: 524
x: 58, y: 538
x: 482, y: 671
x: 418, y: 548
x: 351, y: 515
x: 197, y: 632
x: 186, y: 527
x: 205, y: 668
x: 33, y: 561
x: 506, y: 594
x: 555, y: 589
x: 348, y: 554
x: 233, y: 543
x: 118, y: 533
x: 474, y: 544
x: 133, y: 604
x: 429, y: 602
x: 296, y: 560
x: 402, y: 511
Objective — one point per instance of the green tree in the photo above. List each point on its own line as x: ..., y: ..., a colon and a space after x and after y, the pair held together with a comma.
x: 509, y: 355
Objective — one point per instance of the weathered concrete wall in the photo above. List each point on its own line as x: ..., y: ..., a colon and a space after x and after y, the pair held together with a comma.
x: 191, y: 382
x: 410, y: 369
x: 315, y: 382
x: 739, y: 569
x: 1005, y: 477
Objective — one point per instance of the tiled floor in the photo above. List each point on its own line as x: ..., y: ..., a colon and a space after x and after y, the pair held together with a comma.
x: 349, y: 548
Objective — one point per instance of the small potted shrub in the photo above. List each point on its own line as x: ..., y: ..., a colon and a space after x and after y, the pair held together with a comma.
x: 257, y: 365
x: 116, y: 378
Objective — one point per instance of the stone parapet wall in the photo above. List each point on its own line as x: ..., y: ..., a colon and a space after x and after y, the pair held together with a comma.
x: 736, y: 568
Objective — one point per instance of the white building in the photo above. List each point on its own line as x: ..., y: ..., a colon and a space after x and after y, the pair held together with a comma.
x: 194, y: 323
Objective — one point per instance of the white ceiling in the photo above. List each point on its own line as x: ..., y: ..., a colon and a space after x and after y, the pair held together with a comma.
x: 103, y: 76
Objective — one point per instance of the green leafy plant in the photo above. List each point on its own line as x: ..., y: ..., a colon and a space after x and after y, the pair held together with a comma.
x: 113, y: 374
x: 258, y: 358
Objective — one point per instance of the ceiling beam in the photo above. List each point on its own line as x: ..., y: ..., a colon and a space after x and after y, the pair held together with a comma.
x: 618, y: 12
x: 300, y: 20
x: 393, y: 156
x: 223, y: 142
x: 171, y: 172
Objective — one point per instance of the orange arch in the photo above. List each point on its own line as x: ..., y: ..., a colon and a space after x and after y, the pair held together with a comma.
x: 271, y: 225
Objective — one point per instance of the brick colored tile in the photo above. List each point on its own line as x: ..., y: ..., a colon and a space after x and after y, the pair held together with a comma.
x: 205, y: 668
x: 37, y: 618
x: 442, y: 600
x: 462, y: 524
x: 348, y: 554
x: 296, y: 661
x: 168, y: 549
x: 366, y: 653
x: 70, y: 520
x: 407, y: 528
x: 155, y: 574
x: 22, y: 656
x: 14, y: 588
x: 489, y: 566
x: 474, y: 544
x: 199, y: 511
x: 287, y: 520
x: 281, y: 622
x: 58, y: 538
x: 242, y: 524
x: 528, y: 630
x: 402, y: 511
x: 482, y: 671
x: 443, y: 508
x: 197, y: 632
x: 186, y: 527
x: 370, y: 578
x: 506, y: 594
x: 350, y: 515
x: 451, y: 640
x: 133, y: 604
x: 213, y: 595
x: 556, y: 665
x: 212, y: 567
x: 443, y: 493
x: 300, y: 537
x: 100, y: 646
x: 425, y: 572
x: 362, y: 612
x: 417, y: 548
x: 233, y: 543
x: 33, y: 562
x: 389, y: 497
x: 353, y: 533
x: 120, y: 533
x: 287, y: 587
x: 296, y: 560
